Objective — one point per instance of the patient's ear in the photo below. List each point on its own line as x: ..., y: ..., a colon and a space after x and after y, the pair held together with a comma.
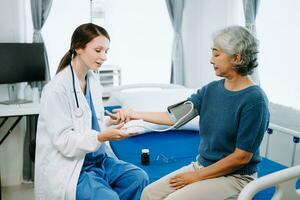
x: 236, y: 58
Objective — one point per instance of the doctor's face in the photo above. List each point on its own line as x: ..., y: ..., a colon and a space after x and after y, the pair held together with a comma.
x: 95, y: 52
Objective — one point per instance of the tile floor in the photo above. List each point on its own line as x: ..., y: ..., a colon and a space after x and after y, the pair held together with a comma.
x: 19, y: 192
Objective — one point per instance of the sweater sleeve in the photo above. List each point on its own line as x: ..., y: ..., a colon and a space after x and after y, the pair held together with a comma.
x: 253, y: 123
x: 196, y: 99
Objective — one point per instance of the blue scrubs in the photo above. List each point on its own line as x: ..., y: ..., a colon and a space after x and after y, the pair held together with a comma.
x: 104, y: 177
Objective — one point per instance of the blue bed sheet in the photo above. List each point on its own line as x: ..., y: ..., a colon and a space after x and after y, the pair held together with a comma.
x: 168, y: 151
x: 173, y: 149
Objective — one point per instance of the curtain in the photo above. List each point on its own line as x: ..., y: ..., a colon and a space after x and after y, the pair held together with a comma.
x: 250, y: 12
x: 40, y: 10
x: 175, y: 10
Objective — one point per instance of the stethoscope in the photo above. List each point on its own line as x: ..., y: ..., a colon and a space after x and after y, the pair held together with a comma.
x: 78, y: 110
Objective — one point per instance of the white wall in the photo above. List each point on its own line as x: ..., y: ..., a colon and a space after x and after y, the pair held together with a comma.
x: 10, y: 21
x: 278, y: 29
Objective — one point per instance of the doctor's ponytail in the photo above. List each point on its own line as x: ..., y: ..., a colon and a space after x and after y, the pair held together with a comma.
x: 65, y: 61
x: 82, y: 35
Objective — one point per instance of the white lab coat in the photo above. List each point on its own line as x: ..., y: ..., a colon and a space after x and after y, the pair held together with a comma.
x: 62, y: 138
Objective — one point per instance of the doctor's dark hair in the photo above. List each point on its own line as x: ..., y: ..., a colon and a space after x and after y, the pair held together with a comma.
x: 82, y: 35
x: 238, y: 40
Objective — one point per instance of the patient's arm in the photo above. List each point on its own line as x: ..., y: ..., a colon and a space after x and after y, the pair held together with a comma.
x: 227, y: 165
x: 162, y: 118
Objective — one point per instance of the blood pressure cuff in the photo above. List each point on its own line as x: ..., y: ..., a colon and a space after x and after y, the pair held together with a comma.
x: 182, y: 112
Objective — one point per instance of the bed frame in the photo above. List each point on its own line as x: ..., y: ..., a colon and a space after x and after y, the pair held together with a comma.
x: 286, y: 182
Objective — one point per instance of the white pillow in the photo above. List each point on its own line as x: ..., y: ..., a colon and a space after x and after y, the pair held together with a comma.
x: 149, y: 100
x: 154, y: 101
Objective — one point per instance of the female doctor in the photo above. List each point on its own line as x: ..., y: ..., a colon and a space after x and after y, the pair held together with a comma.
x: 71, y: 154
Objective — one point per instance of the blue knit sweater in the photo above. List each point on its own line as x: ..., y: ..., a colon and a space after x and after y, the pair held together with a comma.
x: 230, y: 120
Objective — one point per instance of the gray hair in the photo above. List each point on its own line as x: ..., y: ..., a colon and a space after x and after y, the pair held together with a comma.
x: 238, y: 40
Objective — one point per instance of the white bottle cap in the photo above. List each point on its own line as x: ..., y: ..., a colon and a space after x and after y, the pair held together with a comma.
x: 145, y: 150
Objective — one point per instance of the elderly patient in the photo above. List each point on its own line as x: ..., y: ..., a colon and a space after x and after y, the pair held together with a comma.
x: 233, y: 118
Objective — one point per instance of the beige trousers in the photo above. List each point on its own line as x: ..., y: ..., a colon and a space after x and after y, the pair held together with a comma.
x: 224, y: 187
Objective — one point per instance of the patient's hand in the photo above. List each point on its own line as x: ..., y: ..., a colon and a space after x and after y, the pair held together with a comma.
x: 110, y: 119
x: 180, y: 180
x: 121, y: 115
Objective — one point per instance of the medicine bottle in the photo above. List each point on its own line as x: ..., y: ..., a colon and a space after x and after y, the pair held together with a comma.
x: 145, y: 157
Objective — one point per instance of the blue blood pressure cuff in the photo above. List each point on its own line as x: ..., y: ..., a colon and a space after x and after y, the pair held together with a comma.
x: 182, y: 112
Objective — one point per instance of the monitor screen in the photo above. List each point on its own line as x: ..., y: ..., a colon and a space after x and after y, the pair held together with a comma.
x: 22, y: 62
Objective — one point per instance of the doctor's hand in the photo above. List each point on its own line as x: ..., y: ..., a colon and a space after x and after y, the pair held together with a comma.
x: 121, y: 115
x: 114, y: 133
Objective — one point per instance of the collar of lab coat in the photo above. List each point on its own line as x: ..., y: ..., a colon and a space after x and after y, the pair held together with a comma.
x: 79, y: 92
x: 96, y: 93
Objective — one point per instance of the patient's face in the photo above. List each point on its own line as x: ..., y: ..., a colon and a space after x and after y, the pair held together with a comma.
x: 222, y: 63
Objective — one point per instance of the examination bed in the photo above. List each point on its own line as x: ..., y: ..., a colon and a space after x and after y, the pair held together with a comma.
x: 175, y: 148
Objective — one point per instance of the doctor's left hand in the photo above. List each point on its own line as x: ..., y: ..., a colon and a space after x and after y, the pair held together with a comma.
x: 113, y: 133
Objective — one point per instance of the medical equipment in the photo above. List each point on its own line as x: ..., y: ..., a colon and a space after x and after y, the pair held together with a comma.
x: 78, y: 110
x: 183, y: 112
x: 163, y: 159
